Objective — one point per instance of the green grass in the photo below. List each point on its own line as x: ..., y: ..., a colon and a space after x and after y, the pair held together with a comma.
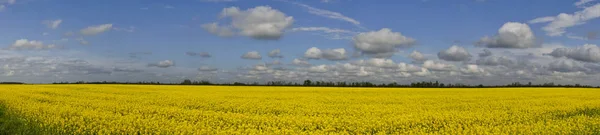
x: 13, y: 125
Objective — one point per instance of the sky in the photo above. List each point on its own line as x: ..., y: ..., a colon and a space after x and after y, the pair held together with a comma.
x: 489, y: 42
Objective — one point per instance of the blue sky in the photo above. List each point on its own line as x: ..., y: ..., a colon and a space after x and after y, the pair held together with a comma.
x: 44, y: 40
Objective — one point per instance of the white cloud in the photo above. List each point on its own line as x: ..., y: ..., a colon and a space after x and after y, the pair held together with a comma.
x: 300, y: 62
x: 24, y: 44
x: 2, y: 7
x: 416, y: 56
x: 542, y: 19
x: 130, y: 29
x: 382, y: 43
x: 313, y: 53
x: 510, y: 35
x: 403, y: 67
x: 275, y: 54
x: 11, y: 1
x: 495, y: 61
x: 53, y: 24
x: 214, y: 28
x: 485, y: 53
x: 472, y: 69
x: 381, y: 62
x: 586, y: 53
x: 162, y: 64
x: 254, y: 55
x: 436, y: 66
x: 330, y: 33
x: 571, y: 36
x: 262, y: 22
x: 261, y: 67
x: 329, y: 14
x: 582, y: 3
x: 455, y: 53
x: 318, y: 69
x: 565, y: 65
x: 423, y: 72
x: 557, y: 25
x: 328, y: 54
x: 97, y: 29
x: 335, y: 54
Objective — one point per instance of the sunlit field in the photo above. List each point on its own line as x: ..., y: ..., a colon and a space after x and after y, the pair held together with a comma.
x: 150, y: 109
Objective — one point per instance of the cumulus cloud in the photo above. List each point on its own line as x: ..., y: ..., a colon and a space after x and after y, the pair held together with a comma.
x: 485, y: 53
x: 557, y: 25
x: 403, y: 67
x: 24, y: 44
x: 335, y: 54
x: 260, y: 67
x: 586, y: 53
x: 565, y: 65
x: 455, y: 53
x: 495, y: 61
x: 436, y: 66
x: 253, y: 55
x: 214, y: 28
x: 275, y: 54
x: 274, y: 62
x: 262, y: 22
x: 417, y: 57
x: 510, y: 35
x: 382, y: 43
x: 162, y: 64
x: 313, y: 53
x: 328, y: 54
x: 300, y: 62
x: 53, y: 24
x: 200, y: 54
x: 381, y: 62
x: 472, y: 69
x: 318, y: 69
x: 97, y: 29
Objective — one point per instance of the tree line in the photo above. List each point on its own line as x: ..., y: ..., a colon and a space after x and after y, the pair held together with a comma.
x: 310, y: 83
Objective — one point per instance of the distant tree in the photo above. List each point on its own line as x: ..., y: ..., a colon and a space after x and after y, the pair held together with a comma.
x: 307, y: 82
x: 186, y: 82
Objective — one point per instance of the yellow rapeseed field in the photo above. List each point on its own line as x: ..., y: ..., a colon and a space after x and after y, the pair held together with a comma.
x: 151, y: 109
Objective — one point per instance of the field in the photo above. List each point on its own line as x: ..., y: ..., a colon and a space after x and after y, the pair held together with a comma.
x: 146, y: 109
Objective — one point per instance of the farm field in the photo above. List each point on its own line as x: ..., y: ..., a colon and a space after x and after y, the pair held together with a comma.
x: 151, y: 109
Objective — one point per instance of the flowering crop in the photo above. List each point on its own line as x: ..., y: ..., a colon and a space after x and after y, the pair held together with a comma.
x: 152, y: 109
